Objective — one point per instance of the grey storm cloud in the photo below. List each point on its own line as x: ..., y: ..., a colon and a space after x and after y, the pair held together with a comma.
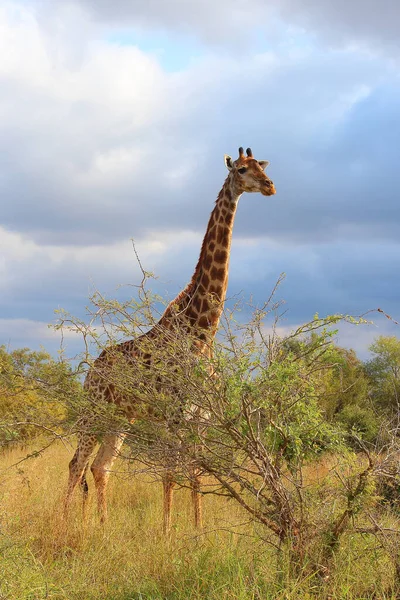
x: 211, y: 21
x: 336, y: 22
x: 341, y: 21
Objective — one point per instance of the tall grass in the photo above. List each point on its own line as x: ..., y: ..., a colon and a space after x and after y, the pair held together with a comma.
x: 129, y: 558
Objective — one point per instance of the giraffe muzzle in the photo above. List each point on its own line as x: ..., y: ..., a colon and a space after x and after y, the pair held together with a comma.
x: 268, y: 189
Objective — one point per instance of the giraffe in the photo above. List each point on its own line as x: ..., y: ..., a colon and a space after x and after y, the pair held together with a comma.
x: 197, y: 310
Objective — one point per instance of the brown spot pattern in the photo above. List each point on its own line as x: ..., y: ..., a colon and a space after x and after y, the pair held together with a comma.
x: 197, y: 303
x: 220, y: 256
x: 203, y: 322
x: 217, y: 274
x: 222, y: 236
x: 205, y: 305
x: 207, y: 262
x: 205, y: 280
x: 191, y: 315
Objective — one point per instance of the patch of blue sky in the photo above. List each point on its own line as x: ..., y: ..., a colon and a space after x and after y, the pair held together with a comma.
x: 177, y: 51
x: 174, y: 52
x: 280, y: 38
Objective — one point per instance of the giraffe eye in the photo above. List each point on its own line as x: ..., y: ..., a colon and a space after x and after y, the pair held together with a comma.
x: 242, y: 170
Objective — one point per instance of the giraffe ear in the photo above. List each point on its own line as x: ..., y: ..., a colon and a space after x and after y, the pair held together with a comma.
x: 228, y: 162
x: 263, y: 164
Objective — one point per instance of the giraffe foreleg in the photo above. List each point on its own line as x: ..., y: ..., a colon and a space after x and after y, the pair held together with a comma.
x: 78, y: 466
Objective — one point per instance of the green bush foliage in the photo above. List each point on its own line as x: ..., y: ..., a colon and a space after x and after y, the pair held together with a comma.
x: 35, y: 391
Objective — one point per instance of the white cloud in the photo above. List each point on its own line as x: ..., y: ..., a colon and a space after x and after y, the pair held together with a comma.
x: 114, y: 146
x: 17, y: 332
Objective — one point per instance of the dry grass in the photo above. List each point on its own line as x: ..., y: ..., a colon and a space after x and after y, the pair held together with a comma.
x: 130, y: 559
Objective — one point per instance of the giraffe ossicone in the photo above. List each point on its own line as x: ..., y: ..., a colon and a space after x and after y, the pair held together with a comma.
x: 196, y: 310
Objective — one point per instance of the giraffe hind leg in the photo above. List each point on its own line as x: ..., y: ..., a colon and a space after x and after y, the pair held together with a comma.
x: 77, y: 468
x: 101, y: 468
x: 197, y: 499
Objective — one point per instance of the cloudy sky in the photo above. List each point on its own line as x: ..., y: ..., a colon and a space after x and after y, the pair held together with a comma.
x: 114, y: 119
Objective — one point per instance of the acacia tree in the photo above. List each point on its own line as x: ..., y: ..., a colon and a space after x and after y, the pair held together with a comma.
x: 252, y: 419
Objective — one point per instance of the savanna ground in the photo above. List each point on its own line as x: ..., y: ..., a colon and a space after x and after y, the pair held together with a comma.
x: 129, y: 558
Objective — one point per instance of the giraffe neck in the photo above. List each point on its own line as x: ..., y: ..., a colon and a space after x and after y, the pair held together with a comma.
x: 201, y: 303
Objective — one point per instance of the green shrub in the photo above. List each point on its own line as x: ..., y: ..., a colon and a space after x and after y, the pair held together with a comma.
x: 361, y: 421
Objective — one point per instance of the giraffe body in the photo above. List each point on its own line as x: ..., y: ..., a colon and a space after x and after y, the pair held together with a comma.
x: 196, y: 310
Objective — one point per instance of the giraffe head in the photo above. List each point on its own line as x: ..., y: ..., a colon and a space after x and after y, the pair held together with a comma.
x: 248, y: 174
